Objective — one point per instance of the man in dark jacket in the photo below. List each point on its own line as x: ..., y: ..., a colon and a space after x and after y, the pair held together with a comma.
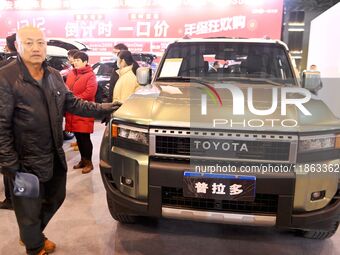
x: 11, y: 54
x: 33, y: 98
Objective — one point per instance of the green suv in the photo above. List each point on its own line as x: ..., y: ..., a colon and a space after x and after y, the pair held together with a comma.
x: 225, y: 133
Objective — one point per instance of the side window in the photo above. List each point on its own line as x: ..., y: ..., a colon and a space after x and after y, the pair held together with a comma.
x: 105, y: 69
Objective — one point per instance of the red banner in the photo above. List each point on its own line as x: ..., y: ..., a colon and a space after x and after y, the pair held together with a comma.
x: 153, y: 28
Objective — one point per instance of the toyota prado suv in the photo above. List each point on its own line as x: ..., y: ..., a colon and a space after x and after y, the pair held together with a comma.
x: 225, y: 133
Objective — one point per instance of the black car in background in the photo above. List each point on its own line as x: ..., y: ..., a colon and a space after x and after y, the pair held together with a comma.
x: 104, y: 69
x: 57, y: 58
x: 2, y: 56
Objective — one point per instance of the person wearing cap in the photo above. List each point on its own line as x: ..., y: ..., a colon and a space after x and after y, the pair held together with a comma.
x: 11, y: 53
x: 33, y: 98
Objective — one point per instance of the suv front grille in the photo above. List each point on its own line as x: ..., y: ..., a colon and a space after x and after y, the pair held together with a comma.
x: 257, y: 150
x: 173, y: 145
x: 264, y: 203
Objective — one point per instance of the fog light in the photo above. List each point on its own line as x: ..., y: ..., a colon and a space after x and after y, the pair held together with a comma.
x: 127, y: 181
x: 317, y: 195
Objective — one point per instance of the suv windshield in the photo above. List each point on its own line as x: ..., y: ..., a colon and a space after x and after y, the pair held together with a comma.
x: 224, y: 61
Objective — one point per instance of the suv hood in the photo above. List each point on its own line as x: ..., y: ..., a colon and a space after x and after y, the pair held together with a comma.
x: 179, y: 105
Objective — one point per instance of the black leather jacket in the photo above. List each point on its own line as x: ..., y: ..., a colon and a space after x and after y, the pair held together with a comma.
x: 31, y: 117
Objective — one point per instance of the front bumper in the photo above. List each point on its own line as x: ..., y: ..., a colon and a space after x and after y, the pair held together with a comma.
x: 162, y: 175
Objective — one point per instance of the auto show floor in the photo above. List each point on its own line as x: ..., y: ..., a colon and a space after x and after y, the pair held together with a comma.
x: 84, y: 226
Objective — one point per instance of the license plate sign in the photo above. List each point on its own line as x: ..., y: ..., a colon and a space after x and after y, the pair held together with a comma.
x: 219, y: 186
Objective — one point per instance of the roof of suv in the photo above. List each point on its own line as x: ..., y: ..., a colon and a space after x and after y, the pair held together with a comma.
x: 241, y: 40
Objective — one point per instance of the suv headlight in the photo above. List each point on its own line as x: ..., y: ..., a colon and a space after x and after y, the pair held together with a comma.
x: 318, y: 142
x: 138, y: 135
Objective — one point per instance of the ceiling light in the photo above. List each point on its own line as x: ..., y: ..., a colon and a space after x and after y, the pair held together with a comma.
x: 48, y: 4
x: 26, y: 4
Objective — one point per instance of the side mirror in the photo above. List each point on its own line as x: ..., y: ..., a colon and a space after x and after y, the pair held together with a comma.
x: 311, y: 80
x: 144, y: 75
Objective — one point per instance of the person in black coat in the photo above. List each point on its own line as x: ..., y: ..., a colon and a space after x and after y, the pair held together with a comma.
x: 10, y: 50
x: 11, y: 54
x: 33, y: 98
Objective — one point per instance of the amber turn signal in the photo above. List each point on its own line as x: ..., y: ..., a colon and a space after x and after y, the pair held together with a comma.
x: 114, y: 130
x: 337, y: 141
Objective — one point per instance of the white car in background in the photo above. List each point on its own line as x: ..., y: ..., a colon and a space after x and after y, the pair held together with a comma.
x: 57, y: 53
x: 57, y: 57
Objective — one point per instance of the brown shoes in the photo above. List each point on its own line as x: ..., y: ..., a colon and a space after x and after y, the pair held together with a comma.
x: 79, y: 165
x: 88, y: 166
x: 49, y: 247
x: 85, y: 164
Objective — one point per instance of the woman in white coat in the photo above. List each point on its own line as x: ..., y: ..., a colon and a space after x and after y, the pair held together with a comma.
x: 127, y: 83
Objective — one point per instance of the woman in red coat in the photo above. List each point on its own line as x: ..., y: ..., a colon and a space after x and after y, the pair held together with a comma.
x: 82, y: 82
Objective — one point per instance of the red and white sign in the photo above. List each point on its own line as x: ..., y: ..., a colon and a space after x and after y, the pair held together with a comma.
x: 150, y: 29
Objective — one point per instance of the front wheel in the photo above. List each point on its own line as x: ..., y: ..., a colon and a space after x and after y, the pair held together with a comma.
x: 118, y: 214
x: 320, y: 235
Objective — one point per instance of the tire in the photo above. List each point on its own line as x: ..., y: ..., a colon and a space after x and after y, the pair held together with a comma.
x: 320, y: 235
x: 117, y: 214
x: 68, y: 135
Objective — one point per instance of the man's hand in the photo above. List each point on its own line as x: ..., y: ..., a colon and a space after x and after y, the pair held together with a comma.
x: 111, y: 107
x: 117, y: 104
